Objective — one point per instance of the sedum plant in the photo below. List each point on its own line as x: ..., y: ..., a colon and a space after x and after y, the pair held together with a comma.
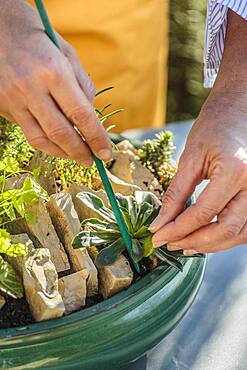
x: 138, y: 211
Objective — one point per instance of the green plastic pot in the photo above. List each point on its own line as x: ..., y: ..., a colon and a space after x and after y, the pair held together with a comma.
x: 109, y: 334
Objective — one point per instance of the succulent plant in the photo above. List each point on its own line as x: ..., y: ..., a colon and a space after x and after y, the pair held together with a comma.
x: 138, y: 211
x: 158, y: 151
x: 156, y: 155
x: 165, y: 174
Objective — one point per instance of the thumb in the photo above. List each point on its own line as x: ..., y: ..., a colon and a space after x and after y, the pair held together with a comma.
x: 189, y: 174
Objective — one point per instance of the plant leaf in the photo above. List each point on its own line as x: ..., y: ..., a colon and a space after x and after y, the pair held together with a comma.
x: 84, y: 240
x: 143, y: 232
x: 171, y: 261
x: 10, y: 282
x: 109, y: 254
x: 147, y: 197
x: 96, y: 204
x: 137, y: 250
x: 148, y: 247
x: 89, y: 238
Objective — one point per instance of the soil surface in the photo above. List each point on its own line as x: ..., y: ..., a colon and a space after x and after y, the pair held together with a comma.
x: 15, y: 313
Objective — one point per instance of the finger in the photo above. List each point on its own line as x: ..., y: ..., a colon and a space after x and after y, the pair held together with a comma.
x: 76, y: 107
x: 36, y: 137
x: 179, y: 191
x: 210, y: 203
x: 239, y: 240
x: 59, y: 130
x: 228, y: 226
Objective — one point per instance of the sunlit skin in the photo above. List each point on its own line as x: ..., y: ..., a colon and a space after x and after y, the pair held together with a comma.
x: 216, y: 149
x: 45, y: 90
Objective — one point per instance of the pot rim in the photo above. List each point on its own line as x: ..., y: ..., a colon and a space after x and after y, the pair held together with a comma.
x: 159, y: 272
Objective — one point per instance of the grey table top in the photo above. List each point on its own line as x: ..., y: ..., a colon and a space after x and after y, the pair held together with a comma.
x: 213, y: 334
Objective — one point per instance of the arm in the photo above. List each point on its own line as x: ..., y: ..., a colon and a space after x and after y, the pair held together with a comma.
x: 216, y: 149
x: 45, y: 90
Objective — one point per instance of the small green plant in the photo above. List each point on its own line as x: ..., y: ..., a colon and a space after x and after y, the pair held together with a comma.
x: 14, y: 144
x: 15, y: 204
x: 138, y: 211
x: 157, y: 154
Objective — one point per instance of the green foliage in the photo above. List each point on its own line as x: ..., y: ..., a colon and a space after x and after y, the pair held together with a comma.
x: 15, y: 204
x: 10, y: 282
x: 14, y: 144
x: 138, y: 211
x: 186, y: 93
x: 157, y: 151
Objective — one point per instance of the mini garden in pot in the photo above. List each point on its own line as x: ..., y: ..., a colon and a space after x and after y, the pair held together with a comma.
x: 70, y: 297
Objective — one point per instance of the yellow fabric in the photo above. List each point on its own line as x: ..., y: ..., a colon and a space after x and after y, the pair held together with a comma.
x: 121, y: 43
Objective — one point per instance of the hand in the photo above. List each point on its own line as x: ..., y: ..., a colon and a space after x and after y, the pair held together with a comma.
x: 46, y: 90
x: 216, y: 149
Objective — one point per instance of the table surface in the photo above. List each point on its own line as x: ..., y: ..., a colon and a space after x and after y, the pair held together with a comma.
x: 213, y: 334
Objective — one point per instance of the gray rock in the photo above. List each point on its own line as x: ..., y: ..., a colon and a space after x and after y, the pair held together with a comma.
x: 115, y: 277
x: 125, y: 146
x: 46, y: 175
x: 73, y: 290
x: 67, y: 225
x: 129, y: 169
x: 120, y: 186
x: 41, y: 232
x: 121, y: 167
x: 40, y: 282
x: 43, y: 235
x: 144, y: 179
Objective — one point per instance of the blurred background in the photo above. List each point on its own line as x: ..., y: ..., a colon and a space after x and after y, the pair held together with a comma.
x: 186, y: 93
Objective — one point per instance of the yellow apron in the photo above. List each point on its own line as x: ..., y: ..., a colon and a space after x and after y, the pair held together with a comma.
x: 121, y: 43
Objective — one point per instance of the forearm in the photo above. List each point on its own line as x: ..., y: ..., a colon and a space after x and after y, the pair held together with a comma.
x: 230, y: 88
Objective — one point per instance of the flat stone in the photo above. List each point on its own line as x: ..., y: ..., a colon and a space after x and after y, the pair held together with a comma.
x: 116, y: 277
x: 120, y: 186
x: 67, y: 225
x: 125, y: 146
x: 2, y: 301
x: 40, y: 282
x: 73, y: 290
x: 82, y: 210
x: 144, y: 179
x: 121, y: 167
x: 43, y: 234
x: 129, y: 169
x: 46, y: 175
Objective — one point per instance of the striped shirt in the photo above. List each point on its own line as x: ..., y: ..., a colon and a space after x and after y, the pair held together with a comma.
x: 215, y: 34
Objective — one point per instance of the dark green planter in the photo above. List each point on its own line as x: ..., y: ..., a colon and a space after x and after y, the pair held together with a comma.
x: 108, y: 334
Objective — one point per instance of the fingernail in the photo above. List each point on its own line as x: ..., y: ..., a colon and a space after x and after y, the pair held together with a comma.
x: 173, y: 247
x: 189, y: 252
x: 105, y: 154
x: 88, y: 163
x: 156, y: 224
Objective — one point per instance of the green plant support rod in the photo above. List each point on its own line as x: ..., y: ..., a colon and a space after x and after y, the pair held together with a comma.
x: 99, y: 164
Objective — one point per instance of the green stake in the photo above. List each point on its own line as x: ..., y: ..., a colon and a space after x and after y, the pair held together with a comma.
x: 99, y: 164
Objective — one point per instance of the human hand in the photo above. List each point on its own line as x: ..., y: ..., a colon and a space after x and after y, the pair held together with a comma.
x: 216, y: 149
x: 46, y: 90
